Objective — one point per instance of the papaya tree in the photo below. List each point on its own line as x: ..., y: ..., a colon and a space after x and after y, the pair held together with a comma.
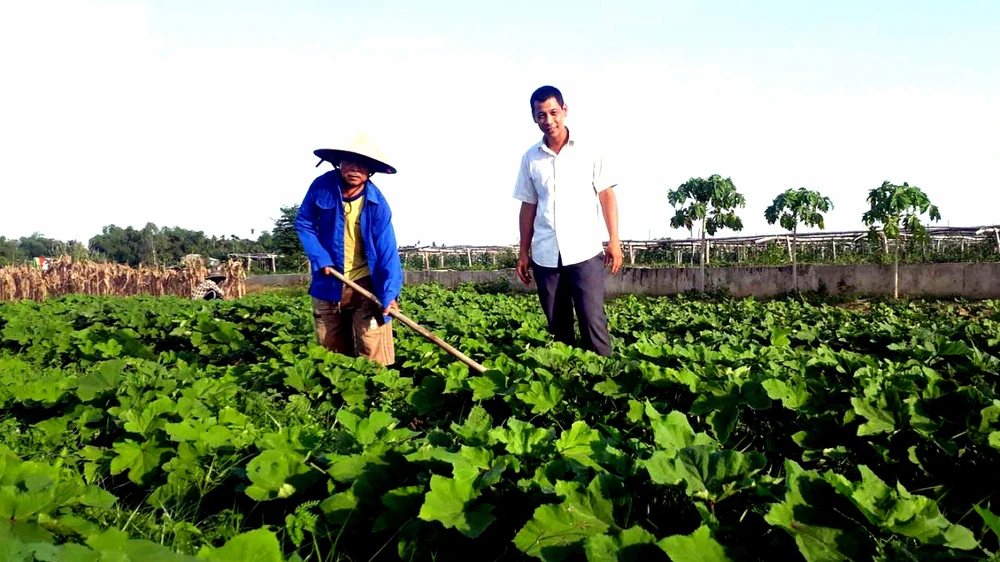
x: 797, y: 207
x: 709, y: 203
x: 895, y: 209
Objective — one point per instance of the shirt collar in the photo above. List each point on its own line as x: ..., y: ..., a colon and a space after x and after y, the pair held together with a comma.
x: 371, y: 192
x: 569, y: 142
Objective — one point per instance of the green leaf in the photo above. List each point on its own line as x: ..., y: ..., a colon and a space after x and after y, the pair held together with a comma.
x: 347, y: 468
x: 403, y: 500
x: 899, y: 511
x: 674, y: 433
x: 724, y: 413
x: 624, y: 547
x: 429, y: 395
x: 541, y: 396
x: 16, y: 551
x: 601, y: 548
x: 277, y: 474
x: 232, y: 417
x: 707, y: 473
x: 456, y: 376
x: 523, y: 439
x: 635, y: 411
x: 488, y: 385
x: 338, y: 507
x: 755, y: 396
x: 114, y: 544
x: 634, y: 536
x: 699, y: 546
x: 990, y: 416
x: 811, y: 514
x: 447, y: 503
x: 141, y: 460
x: 555, y: 532
x: 95, y: 496
x: 68, y: 525
x: 723, y: 422
x: 206, y: 433
x: 302, y: 375
x: 779, y: 337
x: 578, y: 443
x: 793, y: 395
x: 609, y: 388
x: 186, y: 430
x: 879, y: 420
x: 259, y: 545
x: 109, y: 349
x: 992, y: 521
x: 369, y: 429
x: 476, y: 429
x: 402, y: 503
x: 106, y: 378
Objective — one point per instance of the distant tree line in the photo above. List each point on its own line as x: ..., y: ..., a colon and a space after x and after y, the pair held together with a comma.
x: 154, y: 245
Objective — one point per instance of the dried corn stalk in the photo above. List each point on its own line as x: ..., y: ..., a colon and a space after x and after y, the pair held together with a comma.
x: 65, y: 276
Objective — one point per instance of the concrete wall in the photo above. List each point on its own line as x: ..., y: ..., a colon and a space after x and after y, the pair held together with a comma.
x: 971, y: 280
x: 279, y: 280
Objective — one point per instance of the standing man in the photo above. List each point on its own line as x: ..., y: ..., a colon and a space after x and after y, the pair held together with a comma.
x: 562, y: 236
x: 345, y: 224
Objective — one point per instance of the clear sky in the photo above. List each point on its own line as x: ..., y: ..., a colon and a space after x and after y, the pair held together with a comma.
x: 204, y: 114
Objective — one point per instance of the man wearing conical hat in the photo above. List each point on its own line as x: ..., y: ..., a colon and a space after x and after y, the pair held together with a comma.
x: 211, y: 287
x: 345, y: 224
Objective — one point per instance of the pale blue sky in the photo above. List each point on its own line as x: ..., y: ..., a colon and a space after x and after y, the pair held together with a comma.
x: 213, y: 108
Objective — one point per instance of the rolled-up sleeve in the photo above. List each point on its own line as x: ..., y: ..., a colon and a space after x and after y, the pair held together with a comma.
x: 524, y: 189
x: 604, y: 175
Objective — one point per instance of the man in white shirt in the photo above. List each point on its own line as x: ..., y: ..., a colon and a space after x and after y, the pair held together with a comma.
x: 562, y: 240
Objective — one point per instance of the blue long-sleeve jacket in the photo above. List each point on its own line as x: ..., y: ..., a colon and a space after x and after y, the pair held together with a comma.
x: 320, y: 225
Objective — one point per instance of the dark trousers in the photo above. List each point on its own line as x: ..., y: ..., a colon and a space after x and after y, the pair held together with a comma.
x: 578, y: 287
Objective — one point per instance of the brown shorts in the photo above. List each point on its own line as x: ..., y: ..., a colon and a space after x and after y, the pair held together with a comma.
x: 355, y: 327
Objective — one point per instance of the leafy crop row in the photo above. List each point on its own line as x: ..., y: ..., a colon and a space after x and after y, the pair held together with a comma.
x: 163, y: 429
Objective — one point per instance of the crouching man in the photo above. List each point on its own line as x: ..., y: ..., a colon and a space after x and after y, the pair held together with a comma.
x: 211, y: 287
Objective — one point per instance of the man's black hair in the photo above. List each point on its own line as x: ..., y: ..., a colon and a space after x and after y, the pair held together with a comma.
x: 544, y: 93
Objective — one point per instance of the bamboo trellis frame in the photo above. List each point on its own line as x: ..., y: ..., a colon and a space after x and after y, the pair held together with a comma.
x: 837, y: 242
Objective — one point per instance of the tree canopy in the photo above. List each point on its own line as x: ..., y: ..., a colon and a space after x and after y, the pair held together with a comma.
x: 796, y: 207
x: 152, y: 244
x: 898, y: 208
x: 713, y: 203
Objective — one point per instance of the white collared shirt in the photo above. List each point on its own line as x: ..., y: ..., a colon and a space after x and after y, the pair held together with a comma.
x: 573, y: 227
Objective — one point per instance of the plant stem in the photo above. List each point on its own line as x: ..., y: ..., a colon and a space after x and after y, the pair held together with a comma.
x: 895, y: 269
x: 704, y: 246
x: 795, y: 262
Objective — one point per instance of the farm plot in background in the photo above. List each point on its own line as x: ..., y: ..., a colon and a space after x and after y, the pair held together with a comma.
x: 65, y: 276
x: 732, y: 430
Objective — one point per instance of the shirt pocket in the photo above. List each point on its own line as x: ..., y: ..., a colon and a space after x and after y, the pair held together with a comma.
x: 544, y: 180
x: 579, y: 175
x: 327, y: 207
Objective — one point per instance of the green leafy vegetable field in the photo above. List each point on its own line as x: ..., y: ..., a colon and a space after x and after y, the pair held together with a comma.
x: 162, y: 429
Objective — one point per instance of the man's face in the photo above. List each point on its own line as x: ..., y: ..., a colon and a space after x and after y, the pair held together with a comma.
x: 354, y: 173
x: 549, y: 116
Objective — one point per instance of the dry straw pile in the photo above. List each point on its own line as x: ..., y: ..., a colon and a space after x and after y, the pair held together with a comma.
x: 65, y: 276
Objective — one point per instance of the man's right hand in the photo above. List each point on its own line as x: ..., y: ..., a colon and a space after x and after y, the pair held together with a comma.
x: 524, y: 268
x: 327, y: 271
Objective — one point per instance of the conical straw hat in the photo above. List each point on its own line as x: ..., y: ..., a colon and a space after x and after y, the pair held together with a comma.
x: 358, y: 145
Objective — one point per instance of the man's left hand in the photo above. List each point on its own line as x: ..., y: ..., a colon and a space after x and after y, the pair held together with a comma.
x: 613, y: 256
x: 392, y: 306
